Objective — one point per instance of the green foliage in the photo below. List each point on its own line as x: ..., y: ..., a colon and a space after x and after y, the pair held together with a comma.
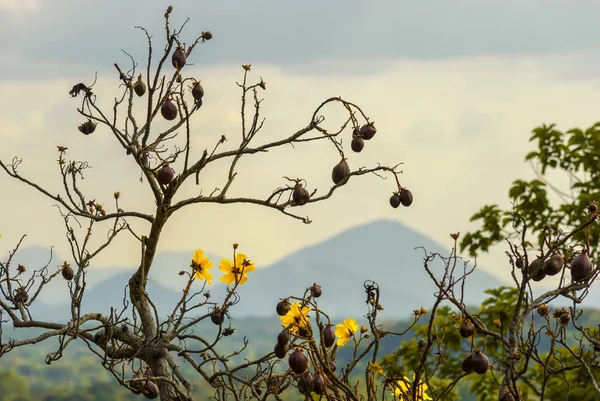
x: 574, y: 153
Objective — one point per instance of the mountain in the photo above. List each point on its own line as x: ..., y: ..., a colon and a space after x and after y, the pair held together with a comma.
x: 384, y: 251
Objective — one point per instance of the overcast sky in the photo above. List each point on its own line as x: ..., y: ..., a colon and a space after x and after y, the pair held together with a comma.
x: 455, y: 88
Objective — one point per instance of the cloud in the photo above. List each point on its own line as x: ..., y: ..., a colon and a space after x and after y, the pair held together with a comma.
x: 62, y: 36
x: 19, y: 6
x: 461, y: 127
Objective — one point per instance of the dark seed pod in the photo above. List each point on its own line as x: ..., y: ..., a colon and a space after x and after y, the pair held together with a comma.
x: 592, y: 208
x: 197, y: 91
x: 316, y: 291
x: 319, y: 384
x: 480, y: 362
x: 217, y: 317
x: 300, y: 195
x: 67, y: 272
x: 298, y: 362
x: 553, y: 265
x: 332, y: 366
x: 283, y: 338
x: 340, y: 172
x: 169, y: 110
x: 276, y: 384
x: 467, y: 330
x: 406, y: 197
x: 20, y: 295
x: 165, y: 175
x: 305, y: 383
x: 565, y: 318
x: 150, y: 390
x: 357, y: 144
x: 519, y: 263
x: 87, y: 127
x: 581, y: 267
x: 303, y: 332
x: 533, y: 266
x: 136, y: 386
x: 139, y: 87
x: 283, y: 307
x: 328, y: 336
x: 467, y: 366
x: 178, y: 58
x: 280, y: 350
x: 207, y: 35
x: 368, y: 131
x: 395, y: 200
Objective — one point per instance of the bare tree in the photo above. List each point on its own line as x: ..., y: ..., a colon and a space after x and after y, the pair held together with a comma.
x: 143, y: 351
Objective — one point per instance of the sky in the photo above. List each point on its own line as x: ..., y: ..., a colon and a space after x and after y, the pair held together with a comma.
x: 455, y: 88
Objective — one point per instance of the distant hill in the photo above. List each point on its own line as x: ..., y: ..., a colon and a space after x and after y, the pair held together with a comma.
x: 383, y: 251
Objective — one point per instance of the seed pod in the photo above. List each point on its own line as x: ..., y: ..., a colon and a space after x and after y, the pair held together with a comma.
x: 328, y: 336
x: 150, y: 390
x: 274, y: 384
x: 480, y: 362
x: 280, y: 350
x: 20, y: 295
x: 368, y: 131
x: 178, y: 58
x: 467, y: 330
x: 169, y: 110
x: 137, y: 386
x: 303, y: 332
x: 283, y: 307
x: 197, y: 91
x: 319, y: 383
x: 406, y: 197
x: 139, y: 87
x: 332, y: 366
x: 357, y: 144
x: 87, y: 127
x: 165, y: 175
x: 305, y: 383
x: 217, y: 317
x: 300, y: 195
x: 67, y: 272
x: 316, y: 291
x: 298, y: 362
x: 207, y: 35
x: 592, y: 208
x: 519, y: 263
x: 283, y: 338
x: 340, y: 172
x: 466, y: 366
x: 395, y: 200
x: 553, y: 265
x: 533, y: 266
x: 581, y: 267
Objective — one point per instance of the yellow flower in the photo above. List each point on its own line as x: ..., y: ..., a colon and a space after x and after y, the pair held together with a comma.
x: 296, y: 318
x: 404, y: 388
x: 201, y: 265
x: 375, y: 368
x: 237, y: 271
x: 344, y: 331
